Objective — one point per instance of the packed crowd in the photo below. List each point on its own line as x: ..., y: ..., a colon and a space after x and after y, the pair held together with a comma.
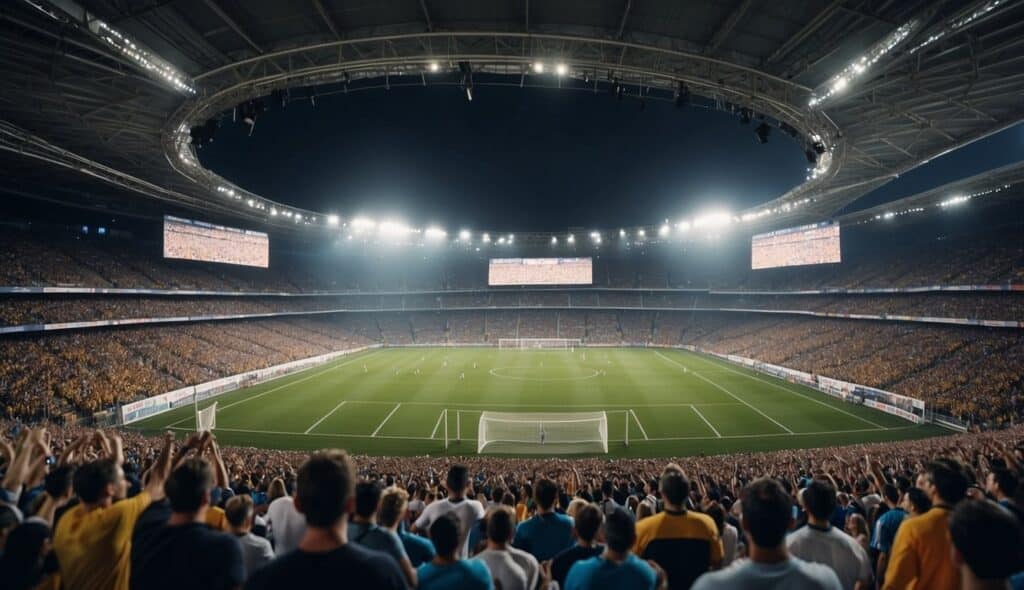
x: 100, y: 509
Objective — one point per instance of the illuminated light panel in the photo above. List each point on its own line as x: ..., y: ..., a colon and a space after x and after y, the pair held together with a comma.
x: 561, y: 69
x: 538, y: 67
x: 333, y: 220
x: 713, y: 220
x: 435, y: 233
x: 465, y: 235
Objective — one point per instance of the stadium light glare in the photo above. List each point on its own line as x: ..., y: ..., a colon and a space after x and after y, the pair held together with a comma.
x: 596, y: 237
x: 953, y: 201
x: 465, y: 235
x: 333, y: 220
x: 435, y: 233
x: 511, y: 238
x: 487, y: 238
x: 683, y: 225
x: 538, y: 67
x: 363, y: 223
x: 501, y: 240
x: 713, y: 220
x: 571, y: 239
x: 561, y: 69
x: 641, y: 233
x: 554, y: 241
x: 273, y: 211
x: 622, y: 233
x: 393, y: 229
x: 434, y: 66
x: 663, y: 230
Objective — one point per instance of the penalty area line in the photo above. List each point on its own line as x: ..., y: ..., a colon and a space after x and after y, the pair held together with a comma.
x: 324, y: 417
x: 386, y: 418
x: 642, y: 431
x: 713, y: 429
x: 440, y: 416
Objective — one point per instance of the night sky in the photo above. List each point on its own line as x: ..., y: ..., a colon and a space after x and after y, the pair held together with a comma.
x: 529, y: 159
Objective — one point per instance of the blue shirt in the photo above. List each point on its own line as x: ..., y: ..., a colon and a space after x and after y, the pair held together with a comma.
x: 419, y: 549
x: 464, y: 574
x: 885, y: 529
x: 598, y: 573
x: 545, y: 535
x: 377, y: 538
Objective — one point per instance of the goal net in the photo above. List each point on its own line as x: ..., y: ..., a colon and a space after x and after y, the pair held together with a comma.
x: 539, y: 343
x: 543, y: 433
x: 206, y: 419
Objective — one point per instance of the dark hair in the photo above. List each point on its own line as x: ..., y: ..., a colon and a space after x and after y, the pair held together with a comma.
x: 819, y: 499
x: 891, y: 493
x: 238, y: 509
x: 949, y: 479
x: 458, y: 478
x: 587, y: 522
x: 545, y: 493
x: 444, y: 533
x: 367, y: 498
x: 674, y: 487
x: 606, y: 488
x: 21, y: 566
x: 1006, y: 481
x: 92, y: 479
x: 767, y: 511
x: 989, y: 538
x: 324, y: 487
x: 920, y: 500
x: 501, y: 523
x: 717, y: 514
x: 59, y: 481
x: 619, y: 530
x: 189, y: 484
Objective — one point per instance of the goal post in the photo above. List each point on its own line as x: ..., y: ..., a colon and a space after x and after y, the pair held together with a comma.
x: 206, y: 419
x: 542, y: 433
x: 539, y: 343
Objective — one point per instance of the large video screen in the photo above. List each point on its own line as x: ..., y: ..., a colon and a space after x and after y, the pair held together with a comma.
x: 796, y: 246
x: 540, y: 271
x: 196, y: 240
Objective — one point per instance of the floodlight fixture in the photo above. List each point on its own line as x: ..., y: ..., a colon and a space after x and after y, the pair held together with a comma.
x: 664, y: 230
x: 571, y: 239
x: 435, y: 233
x: 434, y: 66
x: 622, y: 233
x: 641, y: 233
x: 538, y: 67
x: 393, y: 229
x: 465, y: 235
x: 713, y: 220
x: 363, y: 224
x: 333, y: 220
x: 561, y: 69
x: 486, y: 238
x: 762, y: 132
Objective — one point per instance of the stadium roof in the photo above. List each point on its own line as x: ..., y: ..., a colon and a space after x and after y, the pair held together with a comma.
x: 873, y: 88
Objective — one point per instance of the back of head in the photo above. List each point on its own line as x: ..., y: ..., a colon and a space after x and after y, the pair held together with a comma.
x: 767, y: 512
x: 607, y: 488
x: 717, y: 514
x: 188, y: 486
x: 501, y: 523
x: 367, y: 498
x: 59, y: 481
x: 891, y: 493
x: 674, y: 487
x: 1006, y: 481
x: 545, y: 493
x: 619, y: 530
x: 238, y: 509
x: 393, y: 502
x: 919, y: 500
x: 458, y: 479
x: 819, y: 498
x: 444, y: 533
x: 988, y: 537
x: 324, y: 487
x: 587, y: 522
x: 949, y: 479
x: 91, y: 479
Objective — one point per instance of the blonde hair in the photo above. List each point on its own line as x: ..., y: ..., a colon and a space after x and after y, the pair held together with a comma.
x: 393, y: 502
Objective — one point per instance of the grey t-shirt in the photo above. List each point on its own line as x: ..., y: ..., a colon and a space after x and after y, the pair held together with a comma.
x: 792, y: 574
x: 377, y: 538
x: 835, y: 549
x: 256, y: 552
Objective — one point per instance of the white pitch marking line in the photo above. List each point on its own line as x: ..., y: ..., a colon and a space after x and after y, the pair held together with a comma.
x: 788, y: 390
x: 733, y: 395
x: 386, y: 418
x: 713, y: 429
x: 642, y: 431
x: 324, y: 417
x: 436, y: 426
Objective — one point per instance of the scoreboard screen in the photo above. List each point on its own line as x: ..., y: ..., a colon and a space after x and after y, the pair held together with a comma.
x: 197, y: 240
x: 796, y: 246
x: 540, y: 271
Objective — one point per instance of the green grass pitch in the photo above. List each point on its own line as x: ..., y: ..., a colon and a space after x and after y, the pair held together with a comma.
x: 389, y: 401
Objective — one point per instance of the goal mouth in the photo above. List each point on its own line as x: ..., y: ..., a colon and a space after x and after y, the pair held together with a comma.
x: 539, y: 343
x: 551, y: 433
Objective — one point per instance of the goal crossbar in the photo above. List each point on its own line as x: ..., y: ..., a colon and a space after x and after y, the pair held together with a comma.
x: 543, y: 432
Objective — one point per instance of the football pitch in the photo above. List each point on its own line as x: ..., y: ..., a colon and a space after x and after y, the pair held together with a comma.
x: 392, y: 401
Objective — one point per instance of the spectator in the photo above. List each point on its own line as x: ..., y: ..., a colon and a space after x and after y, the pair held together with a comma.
x: 616, y: 567
x: 468, y: 512
x: 446, y: 570
x: 1002, y: 484
x: 93, y: 540
x: 820, y: 542
x: 26, y: 563
x: 158, y: 551
x: 391, y: 513
x: 987, y: 544
x: 508, y: 572
x: 915, y: 502
x: 767, y: 515
x: 920, y: 553
x: 586, y: 524
x: 726, y: 531
x: 256, y: 551
x: 363, y: 529
x: 324, y: 496
x: 886, y: 527
x: 286, y: 524
x: 684, y: 543
x: 547, y: 533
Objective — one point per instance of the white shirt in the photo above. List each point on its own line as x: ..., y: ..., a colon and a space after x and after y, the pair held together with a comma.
x: 504, y: 569
x: 730, y: 539
x: 528, y: 562
x: 792, y: 574
x: 468, y: 512
x: 286, y: 524
x: 256, y: 552
x: 833, y: 548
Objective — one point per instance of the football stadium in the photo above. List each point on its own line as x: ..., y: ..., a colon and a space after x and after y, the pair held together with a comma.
x: 511, y: 294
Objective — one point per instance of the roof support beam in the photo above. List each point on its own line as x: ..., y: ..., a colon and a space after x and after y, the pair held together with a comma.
x: 326, y: 18
x: 426, y: 16
x: 805, y: 32
x: 625, y: 18
x: 725, y: 29
x: 212, y: 4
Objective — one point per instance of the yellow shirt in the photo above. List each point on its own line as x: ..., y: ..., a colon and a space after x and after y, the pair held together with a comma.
x: 94, y: 548
x: 684, y: 544
x: 920, y: 554
x: 216, y: 518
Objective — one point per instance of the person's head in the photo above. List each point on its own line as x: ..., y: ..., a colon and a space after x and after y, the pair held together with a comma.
x: 239, y: 512
x: 891, y: 495
x: 717, y: 514
x: 944, y: 481
x: 767, y: 513
x: 856, y: 525
x: 607, y: 488
x: 545, y: 493
x: 674, y: 488
x: 367, y: 498
x: 393, y: 504
x: 1001, y: 483
x: 444, y: 534
x: 501, y: 525
x: 457, y: 480
x: 574, y: 507
x: 10, y: 517
x: 587, y: 523
x: 916, y: 501
x: 819, y: 500
x: 324, y: 488
x: 21, y: 565
x: 188, y: 487
x: 619, y: 530
x: 99, y: 482
x: 987, y: 540
x: 643, y: 510
x: 59, y: 482
x: 276, y: 489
